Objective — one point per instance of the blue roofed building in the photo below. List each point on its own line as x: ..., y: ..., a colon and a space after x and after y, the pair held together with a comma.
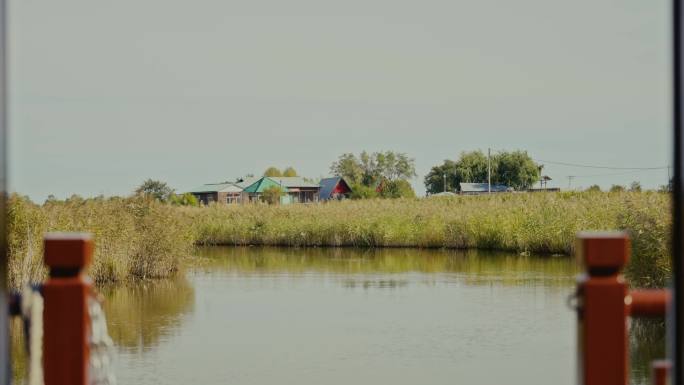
x: 335, y: 188
x: 482, y: 188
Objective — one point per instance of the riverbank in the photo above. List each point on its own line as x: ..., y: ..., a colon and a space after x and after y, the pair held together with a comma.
x: 521, y: 223
x: 137, y: 238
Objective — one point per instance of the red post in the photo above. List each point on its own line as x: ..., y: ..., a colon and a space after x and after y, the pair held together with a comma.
x: 661, y: 370
x: 648, y: 303
x: 65, y: 316
x: 602, y: 334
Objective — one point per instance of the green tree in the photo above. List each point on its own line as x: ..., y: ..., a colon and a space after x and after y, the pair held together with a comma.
x: 394, y: 165
x: 273, y: 171
x: 348, y: 167
x: 635, y: 187
x: 472, y: 167
x: 594, y: 188
x: 369, y: 166
x: 368, y: 169
x: 271, y: 195
x: 515, y: 169
x: 290, y: 171
x: 155, y: 189
x: 360, y: 191
x: 434, y: 180
x: 186, y: 199
x: 616, y: 188
x: 399, y: 188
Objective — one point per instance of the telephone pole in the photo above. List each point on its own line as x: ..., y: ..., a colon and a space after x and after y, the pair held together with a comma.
x: 489, y: 170
x: 445, y: 189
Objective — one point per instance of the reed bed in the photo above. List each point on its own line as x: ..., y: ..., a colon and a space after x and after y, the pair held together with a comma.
x: 521, y: 223
x: 138, y: 238
x: 134, y: 237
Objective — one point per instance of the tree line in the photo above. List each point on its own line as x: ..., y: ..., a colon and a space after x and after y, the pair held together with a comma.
x: 514, y: 169
x: 379, y: 174
x: 387, y: 174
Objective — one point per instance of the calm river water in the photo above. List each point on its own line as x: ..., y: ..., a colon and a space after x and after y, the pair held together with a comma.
x: 258, y: 316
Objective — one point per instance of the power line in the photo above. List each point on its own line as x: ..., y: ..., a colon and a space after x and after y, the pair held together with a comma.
x: 600, y: 167
x: 611, y: 174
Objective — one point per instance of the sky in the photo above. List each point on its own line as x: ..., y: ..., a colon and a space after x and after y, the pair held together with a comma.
x: 105, y: 94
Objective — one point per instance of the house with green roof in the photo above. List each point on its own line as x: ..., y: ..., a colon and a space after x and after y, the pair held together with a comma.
x: 295, y: 189
x: 245, y: 190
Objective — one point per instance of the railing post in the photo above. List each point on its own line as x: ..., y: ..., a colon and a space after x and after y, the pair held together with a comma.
x: 65, y: 317
x: 602, y: 315
x: 660, y: 372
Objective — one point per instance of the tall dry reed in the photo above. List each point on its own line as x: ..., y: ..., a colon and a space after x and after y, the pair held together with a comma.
x: 523, y: 223
x: 134, y: 237
x: 140, y: 238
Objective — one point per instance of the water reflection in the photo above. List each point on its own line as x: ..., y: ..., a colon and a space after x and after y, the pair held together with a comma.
x: 18, y: 352
x: 377, y: 284
x: 647, y: 343
x: 140, y: 315
x: 335, y: 316
x: 475, y: 267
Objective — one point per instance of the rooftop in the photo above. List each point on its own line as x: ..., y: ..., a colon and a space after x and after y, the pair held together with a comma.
x: 216, y: 187
x: 292, y: 181
x: 483, y: 187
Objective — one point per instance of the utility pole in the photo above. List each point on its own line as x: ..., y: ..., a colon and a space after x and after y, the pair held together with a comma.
x: 570, y: 177
x: 445, y: 189
x: 489, y: 170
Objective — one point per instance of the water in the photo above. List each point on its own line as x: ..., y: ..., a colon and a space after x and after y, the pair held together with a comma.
x: 342, y: 316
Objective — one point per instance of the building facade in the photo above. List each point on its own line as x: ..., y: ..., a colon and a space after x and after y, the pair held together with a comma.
x: 222, y: 193
x: 335, y: 188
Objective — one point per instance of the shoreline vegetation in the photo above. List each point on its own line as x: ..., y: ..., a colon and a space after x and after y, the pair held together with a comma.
x: 142, y: 238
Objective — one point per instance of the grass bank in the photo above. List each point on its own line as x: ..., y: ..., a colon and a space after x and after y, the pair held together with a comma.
x: 521, y: 223
x: 134, y: 237
x: 137, y: 238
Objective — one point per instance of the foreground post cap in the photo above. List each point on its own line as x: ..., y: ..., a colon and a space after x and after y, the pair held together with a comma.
x: 660, y: 370
x: 603, y: 250
x: 68, y: 250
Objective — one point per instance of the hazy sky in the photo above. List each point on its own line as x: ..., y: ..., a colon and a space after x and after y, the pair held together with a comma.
x: 105, y: 94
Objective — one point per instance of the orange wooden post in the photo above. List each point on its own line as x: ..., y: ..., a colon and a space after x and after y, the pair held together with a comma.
x: 65, y: 316
x: 648, y: 303
x: 660, y: 371
x: 602, y: 322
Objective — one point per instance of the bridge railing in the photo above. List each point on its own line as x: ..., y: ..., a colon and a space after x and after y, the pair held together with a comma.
x: 65, y: 328
x: 604, y: 303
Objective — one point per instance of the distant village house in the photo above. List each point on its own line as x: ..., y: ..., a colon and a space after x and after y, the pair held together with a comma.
x: 226, y: 193
x: 335, y: 188
x: 298, y: 189
x: 295, y: 190
x: 483, y: 188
